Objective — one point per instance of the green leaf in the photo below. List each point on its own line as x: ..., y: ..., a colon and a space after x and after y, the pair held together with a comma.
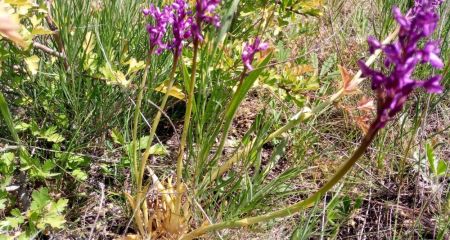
x: 54, y: 220
x: 117, y: 137
x: 60, y: 205
x: 32, y: 64
x: 431, y: 159
x: 89, y: 43
x: 40, y: 30
x: 22, y: 126
x: 237, y: 99
x: 441, y: 168
x: 2, y: 204
x: 438, y: 167
x: 7, y: 158
x: 51, y: 135
x: 157, y: 149
x: 48, y: 166
x: 135, y: 66
x: 13, y: 222
x: 328, y: 65
x: 40, y: 200
x: 79, y: 174
x: 56, y: 138
x: 6, y: 114
x: 115, y: 77
x: 175, y: 91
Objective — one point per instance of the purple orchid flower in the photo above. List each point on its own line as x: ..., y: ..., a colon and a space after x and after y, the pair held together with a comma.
x: 402, y: 58
x: 158, y: 30
x: 205, y: 13
x: 181, y: 26
x: 249, y: 51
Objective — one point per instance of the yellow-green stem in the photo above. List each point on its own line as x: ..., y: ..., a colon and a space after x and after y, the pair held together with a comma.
x: 140, y: 169
x: 137, y: 114
x: 157, y: 119
x: 297, y: 206
x: 187, y: 121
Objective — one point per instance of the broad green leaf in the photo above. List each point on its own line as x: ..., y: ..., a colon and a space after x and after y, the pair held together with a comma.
x: 438, y: 167
x: 7, y: 158
x: 40, y: 200
x: 22, y: 126
x: 441, y: 168
x: 117, y: 136
x: 20, y: 3
x: 135, y: 66
x: 48, y: 166
x: 60, y: 205
x: 54, y: 220
x: 156, y: 149
x: 114, y: 77
x: 13, y: 222
x: 55, y: 138
x: 32, y: 64
x: 89, y: 43
x: 79, y: 174
x: 328, y: 65
x: 41, y: 31
x: 431, y: 159
x: 175, y: 91
x: 88, y: 47
x: 51, y: 135
x: 2, y: 204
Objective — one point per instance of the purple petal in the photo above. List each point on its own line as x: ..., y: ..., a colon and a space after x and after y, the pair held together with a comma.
x: 433, y: 85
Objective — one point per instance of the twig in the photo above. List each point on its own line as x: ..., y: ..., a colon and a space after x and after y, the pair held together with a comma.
x: 56, y: 35
x: 49, y: 50
x: 102, y: 199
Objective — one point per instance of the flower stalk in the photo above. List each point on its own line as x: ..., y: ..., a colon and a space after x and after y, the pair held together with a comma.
x: 137, y: 113
x: 169, y: 84
x: 187, y: 121
x: 138, y: 203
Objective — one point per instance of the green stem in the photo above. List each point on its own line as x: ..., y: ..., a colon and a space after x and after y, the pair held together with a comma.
x: 137, y: 113
x: 187, y: 121
x: 140, y: 169
x: 345, y: 167
x: 136, y: 121
x: 156, y: 120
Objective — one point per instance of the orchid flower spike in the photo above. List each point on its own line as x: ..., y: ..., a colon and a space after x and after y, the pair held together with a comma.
x: 396, y: 82
x: 205, y: 13
x: 157, y: 30
x: 249, y: 51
